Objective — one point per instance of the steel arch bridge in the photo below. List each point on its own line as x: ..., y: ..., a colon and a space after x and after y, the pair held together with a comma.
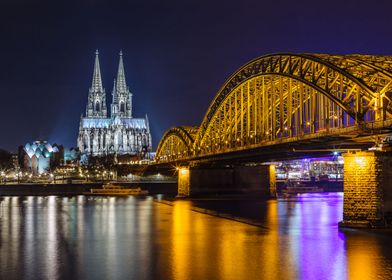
x: 287, y: 97
x: 177, y: 143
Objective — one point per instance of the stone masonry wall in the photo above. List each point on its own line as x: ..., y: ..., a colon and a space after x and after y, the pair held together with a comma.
x: 363, y: 173
x: 272, y: 180
x: 183, y: 182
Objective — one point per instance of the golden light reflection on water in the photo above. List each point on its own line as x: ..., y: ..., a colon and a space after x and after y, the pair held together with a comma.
x: 181, y: 250
x: 358, y: 265
x: 272, y: 248
x: 233, y: 262
x: 364, y: 258
x: 203, y: 245
x: 300, y: 241
x: 133, y: 238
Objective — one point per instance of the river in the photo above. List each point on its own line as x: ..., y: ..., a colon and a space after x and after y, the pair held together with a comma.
x: 136, y: 238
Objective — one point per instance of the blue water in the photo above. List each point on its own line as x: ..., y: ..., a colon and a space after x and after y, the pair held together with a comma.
x: 131, y: 238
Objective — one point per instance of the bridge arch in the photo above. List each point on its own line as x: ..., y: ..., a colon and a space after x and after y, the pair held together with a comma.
x: 177, y: 143
x: 288, y: 95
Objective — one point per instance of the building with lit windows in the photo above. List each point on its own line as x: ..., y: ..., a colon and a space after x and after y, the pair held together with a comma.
x: 120, y: 133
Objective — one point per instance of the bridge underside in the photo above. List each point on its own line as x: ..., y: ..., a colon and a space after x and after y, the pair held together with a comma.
x: 288, y: 106
x: 304, y: 148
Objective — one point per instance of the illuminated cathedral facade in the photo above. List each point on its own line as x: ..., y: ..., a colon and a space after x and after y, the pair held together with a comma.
x: 117, y: 133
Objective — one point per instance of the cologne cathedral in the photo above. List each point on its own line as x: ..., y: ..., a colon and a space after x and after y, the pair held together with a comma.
x: 119, y: 133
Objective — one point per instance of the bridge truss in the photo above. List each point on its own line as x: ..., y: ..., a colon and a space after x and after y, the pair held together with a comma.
x: 287, y: 97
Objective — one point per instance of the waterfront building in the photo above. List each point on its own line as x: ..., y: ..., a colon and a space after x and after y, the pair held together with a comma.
x: 40, y: 157
x: 120, y: 133
x: 323, y: 168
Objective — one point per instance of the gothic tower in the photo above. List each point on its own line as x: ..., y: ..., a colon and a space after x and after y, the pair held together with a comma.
x: 122, y: 97
x: 118, y: 134
x: 96, y: 106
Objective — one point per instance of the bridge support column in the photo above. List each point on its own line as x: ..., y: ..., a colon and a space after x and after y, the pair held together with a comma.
x: 183, y: 182
x: 219, y: 180
x: 272, y: 180
x: 367, y: 189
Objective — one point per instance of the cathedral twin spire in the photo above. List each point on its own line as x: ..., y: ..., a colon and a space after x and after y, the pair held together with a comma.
x: 121, y: 97
x: 121, y: 83
x: 96, y: 84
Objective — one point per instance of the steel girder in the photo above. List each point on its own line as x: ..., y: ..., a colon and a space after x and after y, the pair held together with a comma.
x: 176, y: 143
x: 288, y: 95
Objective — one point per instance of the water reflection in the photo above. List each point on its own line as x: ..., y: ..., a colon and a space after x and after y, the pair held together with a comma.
x: 315, y: 243
x: 118, y: 238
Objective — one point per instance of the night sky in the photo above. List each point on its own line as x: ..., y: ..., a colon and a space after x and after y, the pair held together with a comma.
x: 177, y: 54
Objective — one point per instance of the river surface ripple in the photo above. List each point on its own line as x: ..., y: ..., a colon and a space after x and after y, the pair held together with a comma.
x: 136, y: 238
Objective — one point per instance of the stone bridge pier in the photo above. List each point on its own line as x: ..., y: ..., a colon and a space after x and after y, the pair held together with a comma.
x: 367, y: 189
x: 233, y: 179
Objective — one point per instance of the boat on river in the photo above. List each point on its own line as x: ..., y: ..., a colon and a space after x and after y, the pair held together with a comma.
x: 110, y: 189
x: 299, y: 187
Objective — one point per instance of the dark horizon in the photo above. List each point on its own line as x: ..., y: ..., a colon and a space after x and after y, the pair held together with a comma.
x: 176, y: 55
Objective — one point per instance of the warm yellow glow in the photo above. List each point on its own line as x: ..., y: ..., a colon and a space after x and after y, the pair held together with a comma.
x: 360, y: 160
x: 244, y: 108
x: 183, y: 181
x: 221, y: 240
x: 357, y: 160
x: 274, y: 252
x: 181, y: 244
x: 359, y: 265
x: 272, y: 174
x: 360, y: 187
x: 184, y: 171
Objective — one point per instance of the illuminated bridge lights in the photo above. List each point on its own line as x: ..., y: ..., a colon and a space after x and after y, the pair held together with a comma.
x: 288, y: 96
